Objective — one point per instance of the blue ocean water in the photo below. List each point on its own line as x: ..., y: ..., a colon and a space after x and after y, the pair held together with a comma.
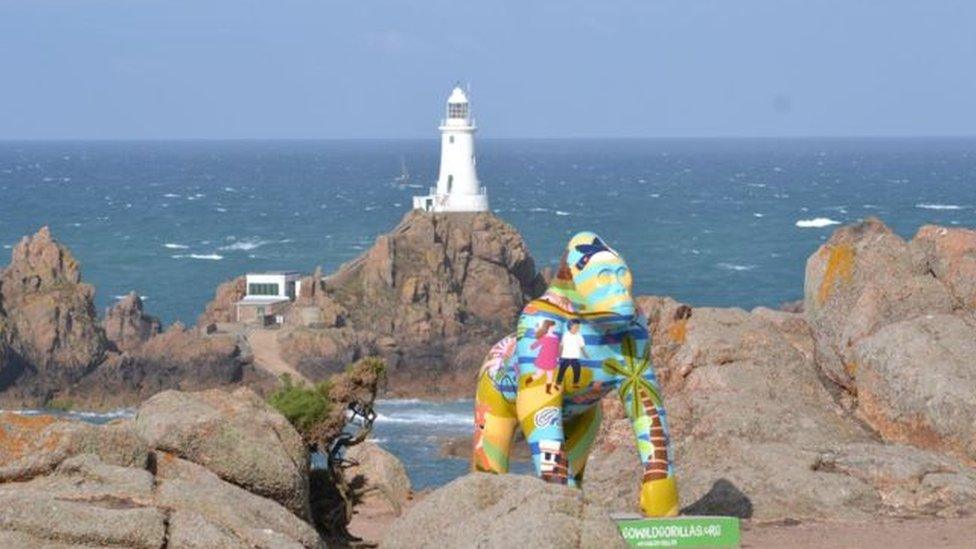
x: 707, y: 221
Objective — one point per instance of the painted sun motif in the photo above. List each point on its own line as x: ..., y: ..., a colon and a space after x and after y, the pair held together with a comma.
x: 634, y: 385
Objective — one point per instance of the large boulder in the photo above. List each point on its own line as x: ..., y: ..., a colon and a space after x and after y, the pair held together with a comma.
x: 126, y: 325
x: 378, y: 476
x: 65, y: 483
x: 916, y: 383
x: 950, y: 256
x: 35, y: 445
x: 213, y: 513
x: 235, y: 435
x: 50, y: 315
x: 84, y: 502
x: 863, y: 278
x: 483, y: 510
x: 757, y: 432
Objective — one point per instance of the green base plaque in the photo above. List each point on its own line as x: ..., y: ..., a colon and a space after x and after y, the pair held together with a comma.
x: 679, y: 531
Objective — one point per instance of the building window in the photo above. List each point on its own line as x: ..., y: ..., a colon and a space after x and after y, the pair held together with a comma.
x: 457, y: 110
x: 450, y: 139
x: 262, y: 289
x: 450, y: 183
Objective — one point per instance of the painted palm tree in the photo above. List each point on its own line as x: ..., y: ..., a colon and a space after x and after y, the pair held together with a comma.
x: 635, y: 383
x: 640, y: 397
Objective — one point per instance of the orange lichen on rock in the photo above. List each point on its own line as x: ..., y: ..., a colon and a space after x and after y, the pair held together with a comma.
x: 840, y: 268
x: 19, y: 434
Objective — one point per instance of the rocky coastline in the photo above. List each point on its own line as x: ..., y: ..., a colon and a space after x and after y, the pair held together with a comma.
x: 857, y: 405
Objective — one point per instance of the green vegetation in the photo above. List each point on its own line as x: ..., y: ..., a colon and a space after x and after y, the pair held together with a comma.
x: 303, y: 406
x: 59, y: 404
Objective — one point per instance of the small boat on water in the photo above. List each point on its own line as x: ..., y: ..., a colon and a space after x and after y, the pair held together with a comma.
x: 404, y: 177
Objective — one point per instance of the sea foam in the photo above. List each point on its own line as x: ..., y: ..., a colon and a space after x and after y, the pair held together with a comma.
x: 816, y: 223
x: 924, y: 206
x: 736, y: 267
x: 245, y: 245
x: 211, y: 257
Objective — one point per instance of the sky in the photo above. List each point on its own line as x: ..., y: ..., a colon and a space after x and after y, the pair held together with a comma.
x: 212, y: 69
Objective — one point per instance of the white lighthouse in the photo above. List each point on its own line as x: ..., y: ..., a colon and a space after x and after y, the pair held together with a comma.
x: 458, y: 189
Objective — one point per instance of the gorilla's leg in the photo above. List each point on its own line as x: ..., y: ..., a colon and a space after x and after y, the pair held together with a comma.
x: 540, y: 414
x: 494, y: 428
x: 580, y: 433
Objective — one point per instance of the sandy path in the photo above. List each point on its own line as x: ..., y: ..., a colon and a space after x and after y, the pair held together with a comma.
x: 267, y: 355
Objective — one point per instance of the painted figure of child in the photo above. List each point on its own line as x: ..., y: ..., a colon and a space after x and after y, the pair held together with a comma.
x: 546, y: 361
x: 572, y: 349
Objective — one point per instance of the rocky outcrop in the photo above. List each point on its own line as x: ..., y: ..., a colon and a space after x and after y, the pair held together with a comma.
x: 54, y: 351
x: 210, y: 512
x: 894, y: 327
x: 235, y: 435
x: 127, y: 326
x: 950, y: 256
x: 47, y: 317
x: 178, y: 358
x: 482, y: 510
x: 429, y: 297
x: 36, y: 445
x: 863, y: 278
x: 223, y: 307
x: 436, y: 273
x: 201, y: 479
x: 916, y: 383
x: 377, y: 476
x: 758, y: 432
x: 94, y: 504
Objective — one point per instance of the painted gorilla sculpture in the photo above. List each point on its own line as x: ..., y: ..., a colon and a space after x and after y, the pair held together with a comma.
x: 585, y: 327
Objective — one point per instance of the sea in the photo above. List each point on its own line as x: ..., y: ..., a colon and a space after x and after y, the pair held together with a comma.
x: 710, y: 222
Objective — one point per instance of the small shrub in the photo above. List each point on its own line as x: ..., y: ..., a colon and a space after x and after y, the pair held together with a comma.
x: 303, y: 406
x: 60, y: 404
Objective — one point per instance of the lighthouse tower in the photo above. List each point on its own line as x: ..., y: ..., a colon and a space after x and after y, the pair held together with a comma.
x: 458, y: 189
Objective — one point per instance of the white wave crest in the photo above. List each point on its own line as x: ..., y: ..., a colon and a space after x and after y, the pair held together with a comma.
x: 211, y: 257
x: 816, y: 223
x: 426, y: 418
x: 173, y: 246
x: 245, y: 245
x: 925, y: 206
x: 736, y: 267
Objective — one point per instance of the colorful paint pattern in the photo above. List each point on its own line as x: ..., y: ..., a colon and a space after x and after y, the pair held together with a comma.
x: 578, y: 342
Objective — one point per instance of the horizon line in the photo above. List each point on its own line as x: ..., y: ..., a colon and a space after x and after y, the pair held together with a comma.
x: 493, y: 138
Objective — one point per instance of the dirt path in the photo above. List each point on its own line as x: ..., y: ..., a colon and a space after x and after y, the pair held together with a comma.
x: 883, y: 533
x: 267, y: 355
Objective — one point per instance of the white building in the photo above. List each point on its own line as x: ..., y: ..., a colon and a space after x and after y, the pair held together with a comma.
x: 267, y: 296
x: 458, y: 189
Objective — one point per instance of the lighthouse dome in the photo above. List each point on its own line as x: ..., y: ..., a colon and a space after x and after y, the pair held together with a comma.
x: 457, y: 96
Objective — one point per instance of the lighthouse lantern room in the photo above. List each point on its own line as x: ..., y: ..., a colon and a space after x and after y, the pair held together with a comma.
x: 458, y: 189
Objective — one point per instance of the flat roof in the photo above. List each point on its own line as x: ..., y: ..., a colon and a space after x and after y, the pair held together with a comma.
x: 275, y: 273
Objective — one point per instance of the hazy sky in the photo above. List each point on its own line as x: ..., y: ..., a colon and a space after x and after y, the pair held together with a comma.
x: 320, y: 68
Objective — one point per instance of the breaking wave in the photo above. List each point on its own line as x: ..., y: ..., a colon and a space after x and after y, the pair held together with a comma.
x: 211, y: 257
x: 816, y: 223
x: 736, y: 267
x: 925, y: 206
